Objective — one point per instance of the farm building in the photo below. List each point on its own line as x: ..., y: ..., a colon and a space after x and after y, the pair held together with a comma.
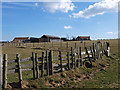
x: 80, y: 38
x: 20, y: 39
x: 26, y: 39
x: 48, y: 38
x: 32, y: 39
x: 64, y: 39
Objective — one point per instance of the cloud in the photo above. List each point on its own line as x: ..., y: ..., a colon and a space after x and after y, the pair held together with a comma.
x: 67, y: 27
x: 24, y: 4
x: 109, y: 32
x: 105, y: 6
x: 62, y: 6
x: 36, y: 4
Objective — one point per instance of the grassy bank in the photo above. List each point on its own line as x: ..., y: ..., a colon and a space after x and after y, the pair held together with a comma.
x: 103, y: 73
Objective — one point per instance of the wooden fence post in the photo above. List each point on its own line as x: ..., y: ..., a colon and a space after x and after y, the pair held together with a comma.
x: 81, y: 63
x: 75, y: 44
x: 42, y: 70
x: 108, y: 49
x: 60, y: 58
x: 33, y: 59
x: 19, y: 69
x: 72, y: 56
x: 74, y: 59
x: 91, y: 51
x: 78, y: 57
x: 5, y: 71
x: 37, y: 65
x: 94, y: 56
x: 50, y: 63
x: 1, y: 71
x: 105, y: 45
x: 98, y: 51
x: 68, y: 59
x: 47, y: 64
x: 102, y: 48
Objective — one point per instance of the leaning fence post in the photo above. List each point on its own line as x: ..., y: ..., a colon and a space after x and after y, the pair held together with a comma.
x: 68, y: 59
x: 72, y: 56
x: 37, y: 65
x: 42, y: 70
x: 47, y: 64
x: 33, y: 59
x: 5, y: 71
x: 91, y: 51
x: 19, y: 69
x: 60, y: 58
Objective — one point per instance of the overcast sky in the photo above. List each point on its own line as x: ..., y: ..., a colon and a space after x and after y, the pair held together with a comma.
x: 65, y: 19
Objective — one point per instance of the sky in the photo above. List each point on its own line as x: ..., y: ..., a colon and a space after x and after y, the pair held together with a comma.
x: 99, y: 20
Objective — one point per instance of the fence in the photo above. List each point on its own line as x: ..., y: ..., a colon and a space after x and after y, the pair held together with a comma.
x: 48, y: 64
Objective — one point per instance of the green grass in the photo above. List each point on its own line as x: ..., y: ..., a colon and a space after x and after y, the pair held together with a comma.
x: 95, y: 77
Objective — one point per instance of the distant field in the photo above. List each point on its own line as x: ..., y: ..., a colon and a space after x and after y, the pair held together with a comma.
x: 99, y: 77
x: 12, y: 50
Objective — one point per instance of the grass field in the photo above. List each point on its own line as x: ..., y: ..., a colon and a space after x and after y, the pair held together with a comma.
x: 103, y: 74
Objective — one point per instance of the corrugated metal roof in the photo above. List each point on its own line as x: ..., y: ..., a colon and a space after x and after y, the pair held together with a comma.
x: 49, y: 36
x: 83, y: 37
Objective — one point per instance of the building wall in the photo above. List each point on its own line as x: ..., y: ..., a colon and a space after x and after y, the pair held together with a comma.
x: 55, y: 40
x: 50, y: 40
x: 45, y: 39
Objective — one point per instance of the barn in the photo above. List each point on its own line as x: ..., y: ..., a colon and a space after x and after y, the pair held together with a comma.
x: 81, y: 38
x: 32, y: 40
x: 48, y: 38
x: 26, y: 39
x: 20, y: 39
